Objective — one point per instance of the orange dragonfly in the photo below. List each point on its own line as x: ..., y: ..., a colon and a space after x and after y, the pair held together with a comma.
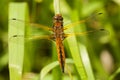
x: 58, y: 35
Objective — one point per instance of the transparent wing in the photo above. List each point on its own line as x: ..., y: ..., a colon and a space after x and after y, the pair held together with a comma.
x: 93, y: 34
x: 31, y: 37
x: 79, y: 22
x: 16, y: 38
x: 15, y: 21
x: 33, y: 34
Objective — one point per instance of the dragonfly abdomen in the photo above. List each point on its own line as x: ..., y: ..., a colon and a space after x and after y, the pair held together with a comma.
x: 61, y: 53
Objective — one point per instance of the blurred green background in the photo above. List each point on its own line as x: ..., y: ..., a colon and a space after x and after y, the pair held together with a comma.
x: 106, y: 60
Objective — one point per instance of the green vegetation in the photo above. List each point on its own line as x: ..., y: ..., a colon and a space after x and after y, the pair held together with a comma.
x: 92, y: 56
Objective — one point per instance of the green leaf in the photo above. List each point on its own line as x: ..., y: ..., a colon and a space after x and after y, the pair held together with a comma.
x: 16, y: 44
x: 79, y: 50
x: 49, y: 67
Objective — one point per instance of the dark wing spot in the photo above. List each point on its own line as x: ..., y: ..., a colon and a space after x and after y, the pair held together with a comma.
x: 13, y: 18
x: 100, y: 13
x: 102, y: 29
x: 14, y: 35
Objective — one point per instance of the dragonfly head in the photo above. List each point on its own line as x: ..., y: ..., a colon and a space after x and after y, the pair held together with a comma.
x: 58, y: 18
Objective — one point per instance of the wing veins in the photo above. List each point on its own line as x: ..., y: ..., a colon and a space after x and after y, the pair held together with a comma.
x: 34, y: 24
x: 32, y: 37
x: 82, y: 33
x: 78, y: 22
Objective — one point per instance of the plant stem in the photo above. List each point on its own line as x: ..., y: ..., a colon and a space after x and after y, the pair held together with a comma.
x: 57, y: 6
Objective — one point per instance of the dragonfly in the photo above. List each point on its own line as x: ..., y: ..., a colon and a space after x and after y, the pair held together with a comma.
x: 58, y: 34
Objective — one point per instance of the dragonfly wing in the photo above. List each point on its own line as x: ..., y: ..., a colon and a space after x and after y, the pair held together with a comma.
x: 81, y: 21
x: 15, y: 21
x: 73, y: 24
x: 14, y: 38
x: 93, y: 34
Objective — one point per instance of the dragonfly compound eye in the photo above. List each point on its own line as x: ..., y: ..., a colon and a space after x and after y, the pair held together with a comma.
x: 58, y: 17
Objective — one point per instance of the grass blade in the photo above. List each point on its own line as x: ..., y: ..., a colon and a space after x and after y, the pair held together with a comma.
x: 79, y: 50
x: 16, y: 44
x: 49, y: 67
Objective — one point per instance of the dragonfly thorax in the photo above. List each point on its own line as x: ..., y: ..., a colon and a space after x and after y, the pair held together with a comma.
x: 58, y: 27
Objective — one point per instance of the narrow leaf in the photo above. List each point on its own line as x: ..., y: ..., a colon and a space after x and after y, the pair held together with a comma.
x: 16, y: 44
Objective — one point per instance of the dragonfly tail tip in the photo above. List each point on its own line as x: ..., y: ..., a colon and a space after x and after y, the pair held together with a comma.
x: 63, y: 69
